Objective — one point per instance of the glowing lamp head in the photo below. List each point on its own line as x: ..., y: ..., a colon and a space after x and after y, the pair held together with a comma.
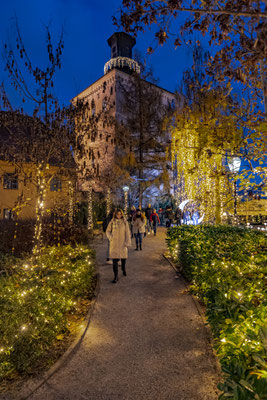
x: 125, y: 188
x: 234, y: 164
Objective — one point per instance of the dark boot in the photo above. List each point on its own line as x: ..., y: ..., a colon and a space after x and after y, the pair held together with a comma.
x: 115, y: 270
x: 140, y: 246
x: 136, y: 247
x: 123, y: 264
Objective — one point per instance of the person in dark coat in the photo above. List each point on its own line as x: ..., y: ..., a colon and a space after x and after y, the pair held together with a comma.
x: 105, y: 225
x: 130, y: 219
x: 148, y: 214
x: 161, y: 215
x: 169, y: 216
x: 178, y: 216
x: 154, y: 218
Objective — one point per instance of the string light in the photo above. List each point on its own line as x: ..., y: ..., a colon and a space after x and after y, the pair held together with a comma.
x: 71, y: 202
x: 122, y: 62
x: 108, y: 202
x: 90, y: 224
x: 41, y: 193
x: 125, y: 202
x: 200, y: 175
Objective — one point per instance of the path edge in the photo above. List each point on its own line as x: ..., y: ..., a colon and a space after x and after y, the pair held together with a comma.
x: 207, y: 329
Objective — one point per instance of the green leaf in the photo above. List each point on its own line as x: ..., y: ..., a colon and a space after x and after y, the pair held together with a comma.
x: 246, y: 385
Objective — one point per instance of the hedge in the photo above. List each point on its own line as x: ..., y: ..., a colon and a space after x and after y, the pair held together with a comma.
x: 226, y: 267
x: 36, y: 295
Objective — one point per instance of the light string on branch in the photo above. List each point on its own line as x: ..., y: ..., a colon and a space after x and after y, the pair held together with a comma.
x: 108, y: 202
x: 41, y: 194
x: 90, y: 224
x: 71, y: 202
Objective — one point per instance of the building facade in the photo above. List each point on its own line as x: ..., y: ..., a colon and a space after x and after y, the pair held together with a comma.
x: 107, y: 97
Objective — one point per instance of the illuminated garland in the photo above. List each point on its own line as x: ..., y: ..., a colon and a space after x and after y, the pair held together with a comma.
x: 90, y: 224
x: 108, y: 202
x: 41, y: 193
x: 71, y: 191
x: 122, y: 62
x: 125, y: 202
x: 199, y: 172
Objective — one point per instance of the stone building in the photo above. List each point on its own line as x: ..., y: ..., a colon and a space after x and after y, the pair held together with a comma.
x: 105, y: 97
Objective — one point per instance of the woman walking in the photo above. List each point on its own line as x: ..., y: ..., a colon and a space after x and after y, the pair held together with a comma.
x: 119, y: 236
x: 139, y: 227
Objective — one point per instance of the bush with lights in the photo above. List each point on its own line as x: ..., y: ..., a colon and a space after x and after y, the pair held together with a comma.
x: 227, y: 270
x: 37, y: 295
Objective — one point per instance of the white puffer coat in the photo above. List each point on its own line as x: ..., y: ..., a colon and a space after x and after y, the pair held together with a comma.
x: 139, y: 226
x: 119, y: 236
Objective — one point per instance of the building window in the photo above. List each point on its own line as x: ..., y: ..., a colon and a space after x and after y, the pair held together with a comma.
x: 11, y: 181
x: 93, y: 107
x: 111, y: 90
x: 55, y: 185
x: 114, y: 51
x: 104, y: 86
x: 7, y: 213
x: 104, y: 104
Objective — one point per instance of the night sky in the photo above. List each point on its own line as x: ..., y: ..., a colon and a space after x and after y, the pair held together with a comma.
x: 87, y: 26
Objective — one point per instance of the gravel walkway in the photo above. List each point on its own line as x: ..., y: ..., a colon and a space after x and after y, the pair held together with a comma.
x: 145, y: 340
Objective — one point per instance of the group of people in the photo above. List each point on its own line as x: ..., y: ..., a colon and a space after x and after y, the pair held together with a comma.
x: 120, y: 230
x: 139, y: 223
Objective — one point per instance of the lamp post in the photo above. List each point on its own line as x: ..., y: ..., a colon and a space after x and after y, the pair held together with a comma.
x: 234, y: 165
x: 126, y: 190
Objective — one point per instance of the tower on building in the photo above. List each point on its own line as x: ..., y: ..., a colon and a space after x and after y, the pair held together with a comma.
x: 121, y: 45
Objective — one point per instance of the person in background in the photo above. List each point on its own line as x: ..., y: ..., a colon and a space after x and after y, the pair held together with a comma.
x: 105, y: 225
x: 154, y: 218
x: 160, y: 212
x: 130, y: 218
x: 169, y: 217
x: 119, y: 236
x: 139, y: 226
x: 148, y: 214
x: 143, y: 212
x: 178, y: 216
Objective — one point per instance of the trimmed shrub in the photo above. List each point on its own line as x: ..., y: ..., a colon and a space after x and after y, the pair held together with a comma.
x: 35, y: 301
x: 227, y: 270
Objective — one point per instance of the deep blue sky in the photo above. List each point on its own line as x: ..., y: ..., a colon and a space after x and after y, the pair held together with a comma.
x: 87, y: 26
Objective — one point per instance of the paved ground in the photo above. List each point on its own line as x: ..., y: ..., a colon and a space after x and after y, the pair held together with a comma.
x: 145, y: 340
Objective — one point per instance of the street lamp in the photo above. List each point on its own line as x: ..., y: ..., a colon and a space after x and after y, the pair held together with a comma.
x: 234, y: 165
x: 126, y: 190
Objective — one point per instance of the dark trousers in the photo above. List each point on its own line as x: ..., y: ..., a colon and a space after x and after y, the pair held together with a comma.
x: 115, y: 266
x: 138, y: 238
x: 155, y: 228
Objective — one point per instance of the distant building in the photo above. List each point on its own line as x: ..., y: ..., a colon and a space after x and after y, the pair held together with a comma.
x: 18, y: 190
x: 106, y: 95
